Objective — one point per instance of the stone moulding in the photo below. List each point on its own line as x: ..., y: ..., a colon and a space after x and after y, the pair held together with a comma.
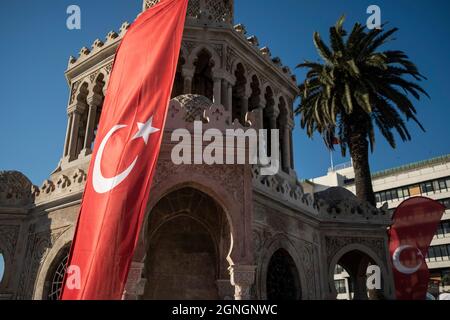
x: 62, y: 185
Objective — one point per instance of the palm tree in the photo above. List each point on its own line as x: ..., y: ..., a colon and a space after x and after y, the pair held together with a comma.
x: 356, y: 89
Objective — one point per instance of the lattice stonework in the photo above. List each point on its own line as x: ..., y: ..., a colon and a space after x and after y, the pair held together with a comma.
x: 193, y: 8
x: 149, y: 3
x: 218, y: 10
x: 58, y: 277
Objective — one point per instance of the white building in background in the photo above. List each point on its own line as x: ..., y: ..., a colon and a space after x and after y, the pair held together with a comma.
x: 429, y: 178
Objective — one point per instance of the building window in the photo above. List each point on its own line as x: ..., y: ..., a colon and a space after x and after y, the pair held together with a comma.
x: 431, y: 254
x: 443, y: 229
x: 446, y: 228
x: 414, y: 190
x: 433, y: 186
x: 445, y: 202
x: 444, y: 251
x: 340, y: 286
x: 405, y: 192
x: 349, y: 181
x: 426, y: 187
x: 438, y: 253
x: 339, y: 269
x: 377, y: 197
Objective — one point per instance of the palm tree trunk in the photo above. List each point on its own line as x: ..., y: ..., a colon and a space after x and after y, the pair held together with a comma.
x: 359, y: 150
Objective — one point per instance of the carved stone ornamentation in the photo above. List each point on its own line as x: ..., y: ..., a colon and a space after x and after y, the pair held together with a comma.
x: 242, y: 278
x: 38, y: 246
x: 8, y: 239
x: 135, y: 285
x: 334, y: 244
x: 307, y: 257
x: 218, y: 11
x: 15, y: 189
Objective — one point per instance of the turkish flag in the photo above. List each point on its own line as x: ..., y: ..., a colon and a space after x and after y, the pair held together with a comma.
x: 415, y: 224
x: 126, y: 152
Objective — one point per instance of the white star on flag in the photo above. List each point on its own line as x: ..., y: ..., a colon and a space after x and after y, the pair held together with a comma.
x: 145, y: 130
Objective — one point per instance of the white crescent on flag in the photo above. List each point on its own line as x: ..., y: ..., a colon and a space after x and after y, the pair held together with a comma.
x: 104, y: 185
x: 399, y: 265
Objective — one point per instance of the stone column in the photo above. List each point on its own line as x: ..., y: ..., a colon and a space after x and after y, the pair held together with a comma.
x: 188, y: 75
x: 75, y: 110
x: 224, y: 94
x: 262, y: 104
x: 244, y: 111
x: 242, y: 278
x: 217, y: 99
x: 94, y: 102
x: 287, y: 128
x: 273, y: 114
x: 230, y: 96
x: 135, y: 285
x: 67, y: 141
x: 76, y: 115
x: 291, y: 148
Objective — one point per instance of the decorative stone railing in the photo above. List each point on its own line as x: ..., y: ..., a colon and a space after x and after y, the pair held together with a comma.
x: 339, y: 204
x: 113, y: 39
x: 60, y: 186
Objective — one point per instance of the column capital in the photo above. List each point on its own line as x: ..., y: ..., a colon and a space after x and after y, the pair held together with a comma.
x: 272, y: 112
x: 188, y: 72
x: 225, y: 75
x: 77, y: 108
x: 220, y: 73
x: 94, y: 100
x: 242, y: 278
x: 288, y: 123
x: 135, y: 285
x: 262, y: 102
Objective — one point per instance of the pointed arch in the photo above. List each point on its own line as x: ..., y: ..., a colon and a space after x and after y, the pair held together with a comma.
x: 274, y: 245
x: 215, y: 58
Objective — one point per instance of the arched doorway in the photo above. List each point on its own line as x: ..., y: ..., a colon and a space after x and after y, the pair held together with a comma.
x: 283, y: 282
x: 188, y: 241
x: 350, y: 277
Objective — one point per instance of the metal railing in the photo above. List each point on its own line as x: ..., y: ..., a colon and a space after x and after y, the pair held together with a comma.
x: 341, y: 166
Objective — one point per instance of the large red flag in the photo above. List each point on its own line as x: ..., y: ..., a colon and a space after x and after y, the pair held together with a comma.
x: 125, y: 155
x: 415, y: 223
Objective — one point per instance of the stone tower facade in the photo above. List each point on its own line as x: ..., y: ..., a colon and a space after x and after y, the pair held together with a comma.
x: 212, y: 232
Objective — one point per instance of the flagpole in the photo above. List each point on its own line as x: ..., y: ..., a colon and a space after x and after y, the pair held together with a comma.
x: 331, y: 158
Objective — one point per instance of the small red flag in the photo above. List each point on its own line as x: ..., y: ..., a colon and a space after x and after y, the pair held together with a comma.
x: 415, y: 223
x: 336, y: 141
x: 125, y: 155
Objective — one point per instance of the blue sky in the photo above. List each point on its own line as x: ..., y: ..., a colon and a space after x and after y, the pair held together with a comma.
x: 2, y: 267
x: 36, y: 46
